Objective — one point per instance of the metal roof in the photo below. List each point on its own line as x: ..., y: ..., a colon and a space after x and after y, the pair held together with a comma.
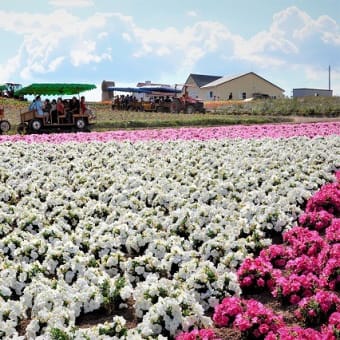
x: 222, y: 80
x: 145, y: 89
x: 226, y: 79
x: 202, y: 79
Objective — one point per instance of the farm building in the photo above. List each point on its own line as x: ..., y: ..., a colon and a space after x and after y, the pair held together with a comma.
x: 196, y: 81
x: 107, y: 95
x: 247, y: 85
x: 305, y: 92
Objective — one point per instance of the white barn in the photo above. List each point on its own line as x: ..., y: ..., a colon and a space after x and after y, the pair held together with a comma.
x: 243, y: 86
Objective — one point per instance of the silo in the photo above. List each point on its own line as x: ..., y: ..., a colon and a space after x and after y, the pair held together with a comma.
x: 107, y: 95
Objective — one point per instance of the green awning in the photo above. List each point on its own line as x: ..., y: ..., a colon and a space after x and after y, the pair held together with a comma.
x: 54, y: 89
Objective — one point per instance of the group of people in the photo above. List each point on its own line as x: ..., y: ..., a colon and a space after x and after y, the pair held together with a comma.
x: 52, y: 110
x: 125, y: 102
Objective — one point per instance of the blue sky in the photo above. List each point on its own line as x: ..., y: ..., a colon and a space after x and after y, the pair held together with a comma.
x: 290, y: 43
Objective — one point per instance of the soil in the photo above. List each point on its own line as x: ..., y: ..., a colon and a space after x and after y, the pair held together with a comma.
x: 302, y: 119
x: 102, y: 315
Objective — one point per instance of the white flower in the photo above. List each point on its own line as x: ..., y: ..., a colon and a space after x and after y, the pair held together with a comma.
x: 5, y: 291
x: 126, y: 292
x: 173, y: 219
x: 32, y: 329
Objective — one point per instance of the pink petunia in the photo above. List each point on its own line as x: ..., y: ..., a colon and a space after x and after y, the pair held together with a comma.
x: 310, y: 130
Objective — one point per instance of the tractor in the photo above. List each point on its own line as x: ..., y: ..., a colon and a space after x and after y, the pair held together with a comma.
x: 32, y: 122
x: 186, y: 104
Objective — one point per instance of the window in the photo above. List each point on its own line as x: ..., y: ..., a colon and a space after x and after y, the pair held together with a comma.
x: 211, y: 94
x: 244, y: 95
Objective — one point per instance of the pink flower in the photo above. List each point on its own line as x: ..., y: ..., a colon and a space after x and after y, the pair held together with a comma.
x: 246, y: 281
x: 202, y: 334
x: 232, y: 305
x: 300, y: 285
x: 264, y: 328
x: 254, y: 272
x: 294, y: 299
x: 242, y: 323
x: 334, y: 319
x: 260, y: 282
x: 237, y: 131
x: 332, y: 232
x: 207, y: 334
x: 280, y: 263
x: 303, y: 264
x: 318, y: 220
x: 294, y: 333
x: 277, y: 255
x: 317, y: 309
x: 311, y: 313
x: 327, y: 198
x: 220, y: 319
x: 331, y: 269
x: 271, y: 284
x: 224, y: 313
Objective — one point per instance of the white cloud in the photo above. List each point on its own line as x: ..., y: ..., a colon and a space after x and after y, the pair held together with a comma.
x: 71, y: 3
x: 189, y: 45
x: 298, y: 26
x: 192, y: 14
x: 103, y: 35
x: 292, y: 37
x: 47, y: 39
x: 126, y: 36
x: 9, y: 68
x: 84, y: 53
x: 316, y: 75
x: 55, y: 63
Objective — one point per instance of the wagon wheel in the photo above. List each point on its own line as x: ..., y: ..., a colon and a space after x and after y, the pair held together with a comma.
x: 5, y: 126
x: 190, y: 109
x: 174, y: 108
x: 35, y: 125
x: 22, y: 128
x: 80, y: 124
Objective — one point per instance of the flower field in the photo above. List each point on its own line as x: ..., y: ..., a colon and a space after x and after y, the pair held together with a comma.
x: 165, y: 232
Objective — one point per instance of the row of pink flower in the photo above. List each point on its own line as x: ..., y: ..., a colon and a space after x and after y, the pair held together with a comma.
x: 237, y: 131
x: 255, y: 321
x: 310, y: 253
x: 303, y: 271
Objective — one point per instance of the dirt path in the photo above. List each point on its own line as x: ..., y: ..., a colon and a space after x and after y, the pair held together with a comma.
x: 302, y: 119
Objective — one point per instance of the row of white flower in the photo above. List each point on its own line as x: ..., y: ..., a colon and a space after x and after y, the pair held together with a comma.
x: 161, y: 226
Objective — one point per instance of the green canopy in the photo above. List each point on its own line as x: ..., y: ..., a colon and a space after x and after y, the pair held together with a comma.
x: 54, y: 89
x: 3, y: 87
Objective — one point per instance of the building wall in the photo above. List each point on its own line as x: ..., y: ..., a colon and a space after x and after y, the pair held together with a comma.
x: 241, y: 88
x: 194, y: 91
x: 304, y: 92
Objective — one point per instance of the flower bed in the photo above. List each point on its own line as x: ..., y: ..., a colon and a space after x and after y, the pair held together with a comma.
x: 236, y: 131
x: 304, y: 281
x: 155, y: 229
